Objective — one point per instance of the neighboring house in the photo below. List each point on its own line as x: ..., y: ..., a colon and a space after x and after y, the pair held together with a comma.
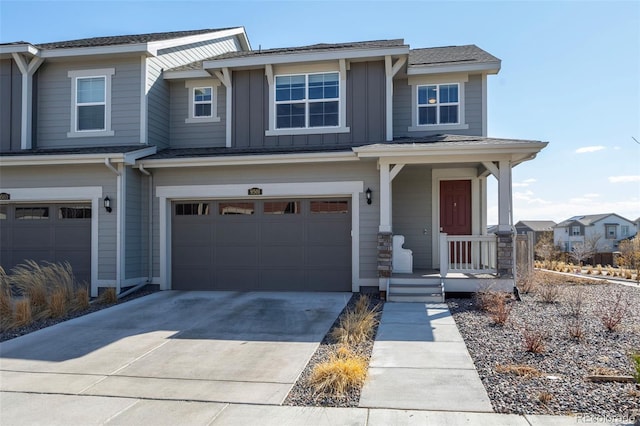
x: 190, y: 161
x: 540, y: 228
x: 608, y: 229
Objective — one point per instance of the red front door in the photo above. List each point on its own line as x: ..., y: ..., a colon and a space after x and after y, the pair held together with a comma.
x: 455, y: 215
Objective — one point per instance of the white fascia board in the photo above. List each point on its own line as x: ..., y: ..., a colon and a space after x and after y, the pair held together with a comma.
x: 240, y: 160
x: 19, y: 48
x: 131, y: 157
x: 98, y: 50
x: 289, y: 58
x: 154, y: 46
x: 41, y: 160
x: 488, y: 67
x: 171, y: 75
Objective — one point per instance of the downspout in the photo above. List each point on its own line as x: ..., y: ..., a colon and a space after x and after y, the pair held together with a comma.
x: 150, y: 230
x: 107, y: 162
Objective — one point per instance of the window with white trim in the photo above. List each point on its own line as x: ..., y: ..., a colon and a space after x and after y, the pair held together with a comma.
x: 611, y: 231
x: 91, y: 103
x: 307, y: 100
x: 438, y: 104
x: 575, y: 230
x: 203, y: 97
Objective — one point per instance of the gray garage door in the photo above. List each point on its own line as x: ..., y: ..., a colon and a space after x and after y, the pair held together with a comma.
x: 293, y: 245
x: 47, y: 232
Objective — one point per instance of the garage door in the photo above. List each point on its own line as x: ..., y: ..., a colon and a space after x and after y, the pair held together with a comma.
x: 292, y: 245
x: 47, y: 232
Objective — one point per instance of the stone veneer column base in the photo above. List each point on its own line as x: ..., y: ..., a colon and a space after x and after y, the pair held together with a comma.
x: 505, y: 254
x: 385, y: 252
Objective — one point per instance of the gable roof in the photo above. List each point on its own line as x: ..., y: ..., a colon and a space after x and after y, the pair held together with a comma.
x: 451, y: 58
x: 538, y: 225
x: 125, y: 39
x: 587, y: 220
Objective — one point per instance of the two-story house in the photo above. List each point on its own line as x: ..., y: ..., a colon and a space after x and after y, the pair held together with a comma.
x: 190, y: 161
x: 540, y: 228
x: 604, y: 230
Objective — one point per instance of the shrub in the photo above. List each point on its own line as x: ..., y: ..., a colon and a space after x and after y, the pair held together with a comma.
x: 533, y: 340
x: 108, y: 296
x: 357, y: 324
x: 635, y: 358
x: 545, y: 397
x: 500, y: 311
x: 613, y: 309
x: 485, y: 298
x: 549, y: 292
x: 23, y: 313
x: 6, y: 302
x: 528, y: 282
x: 81, y: 299
x: 589, y: 270
x: 342, y: 372
x: 525, y: 371
x: 30, y: 279
x: 58, y: 306
x: 598, y: 270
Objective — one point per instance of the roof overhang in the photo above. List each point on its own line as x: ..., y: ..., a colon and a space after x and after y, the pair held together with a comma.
x: 452, y: 152
x: 44, y: 159
x: 290, y: 58
x: 186, y: 74
x: 8, y: 49
x: 485, y: 67
x: 255, y: 159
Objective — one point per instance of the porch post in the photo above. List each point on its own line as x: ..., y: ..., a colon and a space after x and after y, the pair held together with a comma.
x: 505, y: 260
x: 385, y: 237
x: 385, y: 198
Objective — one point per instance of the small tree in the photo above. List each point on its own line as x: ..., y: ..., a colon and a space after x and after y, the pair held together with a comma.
x: 585, y: 250
x: 629, y: 256
x: 546, y: 249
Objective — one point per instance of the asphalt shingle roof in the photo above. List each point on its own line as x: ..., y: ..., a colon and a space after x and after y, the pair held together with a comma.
x: 538, y: 225
x: 76, y: 151
x: 586, y: 220
x: 449, y: 54
x: 221, y: 152
x: 124, y: 39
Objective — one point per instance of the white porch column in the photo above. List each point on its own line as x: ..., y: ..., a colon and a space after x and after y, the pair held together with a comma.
x: 385, y: 198
x: 391, y: 69
x: 504, y: 196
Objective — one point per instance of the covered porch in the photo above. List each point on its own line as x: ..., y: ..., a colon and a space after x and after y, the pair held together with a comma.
x: 433, y: 200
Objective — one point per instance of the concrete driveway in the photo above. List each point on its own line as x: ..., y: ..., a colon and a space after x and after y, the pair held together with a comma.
x: 200, y: 346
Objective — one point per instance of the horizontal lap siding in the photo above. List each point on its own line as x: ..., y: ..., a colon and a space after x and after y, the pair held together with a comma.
x: 256, y: 175
x: 195, y: 135
x: 10, y: 105
x: 412, y: 212
x: 136, y: 229
x: 72, y: 176
x: 54, y: 103
x: 157, y: 105
x: 402, y: 109
x: 365, y: 110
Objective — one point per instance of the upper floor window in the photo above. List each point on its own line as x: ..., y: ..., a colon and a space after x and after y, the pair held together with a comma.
x: 575, y: 230
x: 624, y: 230
x: 307, y: 100
x: 438, y: 104
x: 203, y: 97
x: 611, y: 231
x: 91, y: 102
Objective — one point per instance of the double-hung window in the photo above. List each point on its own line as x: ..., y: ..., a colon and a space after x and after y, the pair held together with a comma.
x: 438, y: 104
x: 91, y: 102
x: 307, y: 100
x: 203, y: 95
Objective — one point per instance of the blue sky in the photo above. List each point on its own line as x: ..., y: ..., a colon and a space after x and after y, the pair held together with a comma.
x: 570, y: 72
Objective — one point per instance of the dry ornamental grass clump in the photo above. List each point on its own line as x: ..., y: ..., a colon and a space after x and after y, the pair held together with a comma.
x: 108, y: 296
x: 356, y: 325
x: 525, y: 371
x: 533, y: 340
x: 341, y: 372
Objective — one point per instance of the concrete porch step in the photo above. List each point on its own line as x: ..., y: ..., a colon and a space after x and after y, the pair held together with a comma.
x: 415, y: 297
x: 415, y: 292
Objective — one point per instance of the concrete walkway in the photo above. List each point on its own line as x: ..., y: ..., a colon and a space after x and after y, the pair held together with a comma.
x: 70, y: 410
x: 420, y: 362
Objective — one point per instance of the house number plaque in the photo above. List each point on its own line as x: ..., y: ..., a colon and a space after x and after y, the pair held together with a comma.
x: 4, y: 196
x: 255, y: 191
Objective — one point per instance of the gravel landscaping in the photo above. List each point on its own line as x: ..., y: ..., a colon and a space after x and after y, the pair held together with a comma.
x: 303, y: 394
x: 47, y: 322
x: 555, y: 380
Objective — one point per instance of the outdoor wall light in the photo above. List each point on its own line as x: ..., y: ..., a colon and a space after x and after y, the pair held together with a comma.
x: 368, y: 193
x: 107, y: 204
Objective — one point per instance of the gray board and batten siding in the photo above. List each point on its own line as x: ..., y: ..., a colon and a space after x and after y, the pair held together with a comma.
x: 160, y: 96
x: 10, y: 106
x: 365, y: 110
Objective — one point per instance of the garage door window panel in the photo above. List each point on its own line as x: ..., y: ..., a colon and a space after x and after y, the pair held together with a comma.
x: 281, y: 207
x: 236, y: 208
x: 192, y: 209
x: 3, y: 212
x: 32, y: 213
x: 77, y: 212
x: 329, y: 207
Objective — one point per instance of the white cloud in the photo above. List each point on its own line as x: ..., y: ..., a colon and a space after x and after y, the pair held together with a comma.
x: 592, y: 195
x: 624, y: 179
x: 524, y: 183
x: 586, y: 149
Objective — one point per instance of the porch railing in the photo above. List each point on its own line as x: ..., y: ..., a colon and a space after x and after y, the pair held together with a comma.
x: 472, y: 254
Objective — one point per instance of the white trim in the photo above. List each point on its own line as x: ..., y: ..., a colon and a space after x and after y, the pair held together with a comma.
x: 39, y: 160
x: 144, y: 105
x: 438, y: 175
x: 488, y: 67
x: 120, y: 210
x: 62, y: 194
x: 237, y: 160
x: 155, y: 46
x: 290, y: 58
x: 415, y: 110
x: 107, y: 74
x: 166, y: 194
x: 212, y: 84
